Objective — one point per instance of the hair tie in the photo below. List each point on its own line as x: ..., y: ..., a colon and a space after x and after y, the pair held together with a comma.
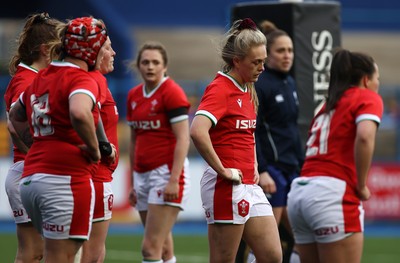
x: 247, y: 23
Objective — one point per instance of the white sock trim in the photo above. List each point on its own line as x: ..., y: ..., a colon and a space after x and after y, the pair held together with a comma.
x: 171, y: 260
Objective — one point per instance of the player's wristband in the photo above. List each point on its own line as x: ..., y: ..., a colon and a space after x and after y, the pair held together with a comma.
x: 105, y: 148
x: 235, y: 175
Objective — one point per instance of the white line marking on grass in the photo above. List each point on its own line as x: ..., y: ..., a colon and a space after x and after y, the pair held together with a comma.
x: 124, y: 255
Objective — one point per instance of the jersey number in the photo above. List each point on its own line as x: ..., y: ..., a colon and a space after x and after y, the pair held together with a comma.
x: 41, y: 122
x: 317, y: 143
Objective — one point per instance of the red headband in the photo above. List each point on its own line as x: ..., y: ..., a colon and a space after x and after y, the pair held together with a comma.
x: 84, y: 38
x: 247, y: 23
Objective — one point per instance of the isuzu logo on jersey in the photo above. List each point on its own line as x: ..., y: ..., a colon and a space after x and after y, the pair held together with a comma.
x: 146, y: 125
x: 246, y: 124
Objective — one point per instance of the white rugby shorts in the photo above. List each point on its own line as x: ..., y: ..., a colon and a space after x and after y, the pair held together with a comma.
x: 104, y: 201
x: 149, y: 187
x: 319, y: 212
x: 226, y: 202
x: 60, y: 206
x: 12, y: 189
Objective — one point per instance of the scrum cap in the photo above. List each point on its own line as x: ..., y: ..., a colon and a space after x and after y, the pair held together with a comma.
x: 84, y: 38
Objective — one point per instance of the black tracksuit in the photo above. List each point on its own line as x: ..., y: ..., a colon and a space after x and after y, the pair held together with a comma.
x: 277, y: 135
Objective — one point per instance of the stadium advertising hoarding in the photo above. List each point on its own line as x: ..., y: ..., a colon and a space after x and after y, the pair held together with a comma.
x: 384, y: 184
x: 383, y: 181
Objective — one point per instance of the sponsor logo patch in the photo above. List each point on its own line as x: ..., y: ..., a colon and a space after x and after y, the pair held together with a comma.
x: 110, y: 202
x: 52, y: 227
x: 18, y: 213
x: 326, y: 231
x: 246, y: 124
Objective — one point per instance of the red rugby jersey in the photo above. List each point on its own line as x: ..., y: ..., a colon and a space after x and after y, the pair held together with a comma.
x: 109, y: 117
x: 147, y: 113
x: 23, y: 77
x: 55, y: 142
x: 230, y: 109
x: 330, y: 145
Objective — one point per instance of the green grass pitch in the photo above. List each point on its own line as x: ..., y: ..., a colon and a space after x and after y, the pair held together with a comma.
x: 194, y: 249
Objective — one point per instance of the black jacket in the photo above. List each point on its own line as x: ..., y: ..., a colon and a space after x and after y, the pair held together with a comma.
x: 277, y: 135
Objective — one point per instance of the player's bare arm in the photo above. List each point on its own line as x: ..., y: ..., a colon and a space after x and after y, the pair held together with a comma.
x: 201, y: 139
